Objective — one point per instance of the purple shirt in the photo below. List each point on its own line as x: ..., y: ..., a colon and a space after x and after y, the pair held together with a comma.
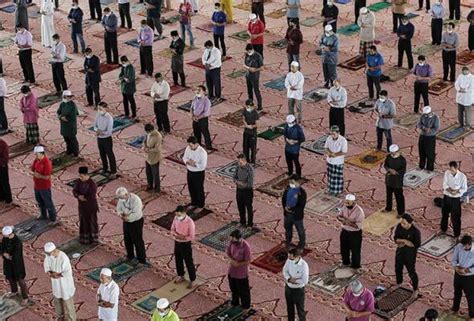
x: 145, y: 36
x: 423, y: 71
x: 239, y: 252
x: 201, y: 107
x: 362, y: 303
x: 24, y: 39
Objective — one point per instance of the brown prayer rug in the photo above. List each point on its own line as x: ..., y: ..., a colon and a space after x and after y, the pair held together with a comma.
x: 166, y: 53
x: 379, y: 223
x: 426, y: 49
x: 274, y: 259
x: 439, y: 86
x: 104, y: 68
x: 241, y: 35
x: 465, y: 58
x: 237, y: 73
x: 19, y: 148
x: 321, y: 203
x: 207, y: 27
x: 368, y: 159
x: 396, y: 73
x: 235, y: 118
x: 408, y: 120
x: 393, y: 301
x: 354, y: 63
x: 166, y: 220
x: 246, y: 6
x: 362, y: 106
x: 276, y: 187
x: 311, y: 21
x: 177, y: 156
x: 329, y: 282
x: 198, y: 62
x: 277, y: 14
x: 279, y: 44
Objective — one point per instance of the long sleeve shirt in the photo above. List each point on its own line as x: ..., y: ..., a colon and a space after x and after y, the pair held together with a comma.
x: 75, y: 17
x: 3, y: 87
x: 4, y: 156
x: 429, y: 124
x: 294, y: 83
x: 244, y: 175
x: 145, y: 36
x: 385, y: 109
x: 109, y: 293
x: 437, y: 11
x: 58, y: 52
x: 295, y: 39
x: 407, y: 30
x: 423, y: 71
x: 127, y: 80
x: 212, y: 57
x: 355, y: 215
x: 184, y: 228
x: 178, y: 47
x: 337, y: 97
x: 332, y: 43
x: 92, y: 68
x: 463, y: 259
x: 330, y: 13
x: 160, y: 90
x: 293, y: 133
x: 465, y: 89
x: 366, y: 23
x: 104, y: 123
x: 297, y: 271
x: 457, y: 182
x: 29, y: 108
x: 131, y: 208
x: 110, y: 22
x: 24, y: 38
x: 201, y: 107
x: 199, y: 156
x: 412, y: 234
x: 399, y: 164
x: 451, y: 39
x: 63, y: 287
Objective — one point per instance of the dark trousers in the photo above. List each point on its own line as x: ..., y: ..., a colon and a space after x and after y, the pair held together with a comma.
x: 371, y: 82
x: 399, y: 198
x: 129, y: 100
x: 295, y: 298
x: 201, y: 128
x: 245, y: 205
x: 449, y: 65
x: 288, y: 223
x: 388, y: 136
x: 404, y: 46
x: 426, y: 149
x: 27, y: 65
x: 93, y: 94
x: 258, y: 8
x: 259, y: 49
x: 56, y: 4
x: 146, y: 60
x: 220, y: 38
x: 72, y: 145
x: 58, y: 77
x: 110, y: 45
x: 133, y: 239
x: 336, y: 117
x: 3, y: 115
x: 451, y: 205
x: 153, y: 176
x: 358, y: 4
x: 107, y: 156
x: 396, y: 19
x: 351, y: 243
x: 454, y: 9
x: 470, y: 37
x: 183, y: 254
x: 213, y: 82
x: 463, y: 283
x: 155, y: 23
x: 161, y: 113
x: 182, y: 76
x: 94, y: 8
x: 23, y: 287
x: 44, y: 199
x: 406, y: 257
x: 293, y: 159
x: 249, y: 146
x: 5, y: 191
x: 196, y: 188
x: 78, y: 37
x: 253, y: 86
x: 436, y: 31
x: 420, y: 4
x: 240, y: 290
x: 124, y: 11
x: 421, y: 89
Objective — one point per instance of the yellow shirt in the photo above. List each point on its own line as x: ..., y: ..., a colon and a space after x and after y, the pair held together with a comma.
x: 171, y: 316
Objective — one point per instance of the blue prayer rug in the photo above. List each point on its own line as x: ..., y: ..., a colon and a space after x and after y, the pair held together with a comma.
x: 122, y: 269
x: 137, y: 142
x: 31, y: 228
x: 469, y: 194
x: 453, y: 133
x: 276, y: 84
x: 9, y: 9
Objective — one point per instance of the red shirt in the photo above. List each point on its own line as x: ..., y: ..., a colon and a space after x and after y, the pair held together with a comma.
x: 255, y: 29
x: 43, y: 167
x: 3, y: 153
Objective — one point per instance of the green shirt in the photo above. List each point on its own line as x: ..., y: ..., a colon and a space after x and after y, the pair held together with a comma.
x: 128, y: 87
x: 171, y: 316
x: 69, y: 125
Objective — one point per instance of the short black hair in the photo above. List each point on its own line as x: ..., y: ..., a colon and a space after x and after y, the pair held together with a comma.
x: 453, y: 164
x: 249, y: 46
x: 373, y: 47
x: 87, y: 50
x: 25, y: 89
x: 295, y: 251
x: 217, y: 4
x: 158, y: 75
x: 241, y: 156
x: 383, y: 93
x: 55, y: 36
x: 421, y: 57
x: 102, y: 104
x: 236, y: 234
x: 452, y: 24
x: 208, y: 43
x: 202, y: 87
x: 123, y: 58
x: 149, y: 127
x: 249, y: 102
x: 431, y: 315
x: 174, y: 33
x: 466, y: 239
x: 144, y: 22
x: 407, y: 217
x: 106, y: 9
x: 180, y: 208
x: 192, y: 140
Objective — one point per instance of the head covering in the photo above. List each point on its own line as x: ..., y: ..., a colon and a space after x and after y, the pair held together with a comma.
x: 407, y: 217
x: 83, y: 170
x: 7, y: 230
x: 106, y: 272
x: 356, y: 287
x: 364, y: 10
x: 335, y: 128
x: 295, y: 63
x: 426, y: 110
x: 252, y: 16
x: 393, y: 148
x: 350, y: 197
x: 328, y: 28
x: 38, y: 149
x: 49, y: 247
x: 67, y: 93
x: 290, y: 119
x: 162, y: 303
x: 121, y: 191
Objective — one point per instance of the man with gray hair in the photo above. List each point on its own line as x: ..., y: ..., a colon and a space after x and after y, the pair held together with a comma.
x: 337, y: 100
x: 107, y: 296
x: 359, y: 301
x: 329, y: 46
x: 428, y: 127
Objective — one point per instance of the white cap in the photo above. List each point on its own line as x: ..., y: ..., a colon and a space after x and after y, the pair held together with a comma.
x: 106, y: 272
x: 350, y: 197
x: 328, y: 28
x: 162, y: 303
x: 363, y: 10
x: 49, y: 247
x: 252, y: 16
x: 67, y: 93
x: 7, y: 230
x: 393, y: 148
x: 121, y: 191
x: 38, y: 149
x: 290, y: 119
x: 295, y: 63
x: 426, y: 110
x: 356, y: 287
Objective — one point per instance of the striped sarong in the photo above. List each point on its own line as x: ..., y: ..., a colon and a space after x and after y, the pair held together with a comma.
x: 335, y: 178
x: 364, y: 47
x: 32, y: 133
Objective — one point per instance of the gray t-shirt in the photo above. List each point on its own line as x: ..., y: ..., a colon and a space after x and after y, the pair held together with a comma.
x: 293, y: 12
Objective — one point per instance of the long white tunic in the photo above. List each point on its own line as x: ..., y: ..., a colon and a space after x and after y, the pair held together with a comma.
x: 47, y: 23
x: 63, y: 287
x: 109, y: 293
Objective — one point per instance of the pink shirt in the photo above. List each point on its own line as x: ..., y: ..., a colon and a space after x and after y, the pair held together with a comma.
x: 355, y: 215
x: 29, y: 108
x: 362, y: 303
x: 239, y: 252
x: 185, y: 227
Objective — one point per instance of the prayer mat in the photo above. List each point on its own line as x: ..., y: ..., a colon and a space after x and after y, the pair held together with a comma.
x: 393, y: 301
x: 9, y: 9
x: 279, y: 44
x: 328, y: 281
x: 134, y: 42
x: 66, y: 59
x: 120, y: 123
x: 177, y: 156
x: 122, y: 269
x: 166, y: 220
x: 137, y: 142
x: 368, y: 159
x: 237, y: 73
x: 439, y: 86
x: 198, y: 62
x: 379, y: 6
x: 396, y: 73
x: 426, y: 49
x: 145, y: 196
x: 311, y: 21
x: 214, y: 101
x: 465, y: 58
x: 120, y: 31
x: 14, y: 88
x: 276, y: 84
x: 316, y: 146
x: 272, y: 132
x: 174, y: 90
x: 31, y: 228
x: 170, y: 20
x: 316, y: 95
x: 469, y: 194
x: 378, y: 223
x: 444, y: 316
x: 62, y: 160
x: 438, y: 245
x: 348, y: 30
x: 220, y: 239
x: 453, y: 133
x: 411, y: 15
x: 74, y: 249
x: 241, y: 35
x: 343, y: 1
x: 228, y: 170
x: 48, y: 100
x: 415, y: 177
x: 321, y: 203
x: 246, y: 6
x: 166, y: 53
x: 355, y: 63
x: 207, y: 27
x: 98, y: 177
x: 407, y: 120
x: 227, y: 312
x: 172, y: 291
x: 276, y: 187
x: 9, y: 307
x: 277, y: 14
x: 19, y: 148
x: 274, y: 259
x: 6, y: 42
x: 104, y: 68
x: 234, y: 119
x: 137, y: 7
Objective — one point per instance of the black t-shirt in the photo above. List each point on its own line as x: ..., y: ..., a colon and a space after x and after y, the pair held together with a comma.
x: 251, y: 119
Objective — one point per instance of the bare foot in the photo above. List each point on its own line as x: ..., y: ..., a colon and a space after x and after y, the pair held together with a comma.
x: 179, y: 280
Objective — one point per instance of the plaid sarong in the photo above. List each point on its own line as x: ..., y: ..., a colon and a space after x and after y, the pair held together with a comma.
x: 335, y: 178
x: 364, y: 47
x: 32, y: 133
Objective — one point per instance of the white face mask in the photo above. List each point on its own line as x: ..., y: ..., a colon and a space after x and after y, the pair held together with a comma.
x: 330, y: 3
x: 199, y: 95
x: 292, y: 186
x: 383, y: 99
x: 327, y: 33
x: 291, y: 125
x: 421, y: 63
x: 65, y: 100
x: 25, y: 95
x: 248, y: 109
x: 124, y: 65
x: 74, y: 6
x: 102, y: 112
x: 181, y: 218
x: 162, y: 314
x: 88, y: 56
x: 250, y: 53
x: 450, y: 31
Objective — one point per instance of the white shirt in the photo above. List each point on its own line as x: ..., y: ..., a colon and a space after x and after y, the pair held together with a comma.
x: 63, y: 287
x: 3, y: 87
x: 294, y: 79
x: 162, y: 90
x: 132, y: 208
x: 336, y: 146
x: 109, y: 293
x: 465, y: 82
x: 123, y: 1
x: 298, y: 271
x: 213, y: 57
x: 58, y: 52
x: 199, y: 156
x: 456, y: 182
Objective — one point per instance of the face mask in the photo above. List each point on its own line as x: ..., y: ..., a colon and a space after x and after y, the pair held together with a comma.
x: 330, y: 4
x: 74, y: 6
x: 25, y: 95
x: 216, y: 9
x: 292, y: 186
x: 465, y: 73
x: 383, y: 99
x: 124, y: 65
x: 182, y: 217
x: 162, y: 314
x: 327, y: 33
x: 198, y: 95
x: 250, y: 53
x: 421, y: 63
x: 450, y: 31
x: 356, y: 294
x: 88, y: 56
x: 291, y: 125
x: 404, y: 23
x: 249, y: 109
x: 102, y: 112
x: 65, y: 100
x: 108, y: 14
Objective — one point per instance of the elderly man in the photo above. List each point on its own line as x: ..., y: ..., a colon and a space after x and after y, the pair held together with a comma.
x: 253, y: 63
x: 294, y: 83
x: 366, y: 22
x: 359, y: 302
x: 405, y: 32
x: 92, y: 79
x: 239, y: 255
x: 110, y: 24
x: 428, y: 127
x: 212, y: 62
x: 160, y: 93
x: 243, y: 178
x: 463, y: 264
x: 67, y: 114
x: 423, y: 73
x: 450, y: 44
x: 164, y: 312
x: 200, y: 111
x: 329, y: 46
x: 107, y: 296
x: 294, y: 136
x: 294, y: 202
x: 396, y: 166
x: 249, y: 142
x: 256, y: 30
x: 153, y: 148
x: 5, y: 190
x: 465, y: 97
x: 24, y: 42
x: 130, y: 209
x: 58, y: 267
x: 335, y: 150
x: 103, y: 127
x: 195, y: 159
x: 337, y: 100
x: 145, y: 40
x: 296, y: 274
x: 386, y: 111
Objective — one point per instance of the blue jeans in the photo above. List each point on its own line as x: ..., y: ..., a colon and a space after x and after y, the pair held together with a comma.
x: 289, y: 221
x: 78, y: 37
x: 45, y: 203
x: 187, y: 28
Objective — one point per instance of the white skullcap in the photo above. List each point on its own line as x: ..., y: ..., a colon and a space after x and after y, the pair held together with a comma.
x: 356, y: 287
x: 49, y: 247
x: 252, y: 16
x: 38, y: 149
x: 121, y: 191
x: 328, y: 28
x: 426, y: 110
x: 7, y: 230
x: 67, y: 93
x: 162, y: 303
x: 393, y: 148
x: 106, y: 272
x: 350, y: 197
x: 295, y: 64
x: 363, y: 10
x: 290, y: 119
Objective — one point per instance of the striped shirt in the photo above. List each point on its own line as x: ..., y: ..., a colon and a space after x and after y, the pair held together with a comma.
x: 244, y: 175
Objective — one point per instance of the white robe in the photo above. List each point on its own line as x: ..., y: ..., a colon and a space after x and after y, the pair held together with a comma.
x: 47, y: 23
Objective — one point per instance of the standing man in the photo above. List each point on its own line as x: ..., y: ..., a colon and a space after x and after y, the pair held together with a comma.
x: 423, y: 73
x: 294, y: 83
x: 239, y: 255
x: 130, y: 209
x: 295, y: 39
x: 183, y: 230
x: 128, y: 87
x: 359, y: 302
x: 256, y: 30
x: 58, y: 54
x: 24, y: 42
x: 95, y: 9
x: 177, y: 64
x: 186, y: 11
x: 152, y: 146
x: 428, y: 127
x: 329, y: 46
x: 41, y: 170
x: 200, y: 111
x: 195, y: 159
x: 335, y: 150
x: 253, y: 63
x: 450, y: 43
x: 351, y: 217
x: 420, y: 5
x: 93, y: 79
x: 163, y: 311
x: 160, y: 92
x: 396, y: 166
x: 454, y: 9
x: 243, y: 179
x: 454, y: 186
x: 398, y: 12
x: 374, y: 71
x: 358, y: 4
x: 294, y: 136
x: 464, y: 96
x: 337, y: 100
x: 293, y: 12
x: 405, y: 32
x: 219, y: 20
x: 296, y: 274
x: 58, y: 267
x: 330, y: 13
x: 67, y: 114
x: 293, y: 202
x: 103, y: 127
x: 3, y: 92
x: 110, y: 24
x: 386, y: 111
x: 258, y: 10
x: 124, y: 12
x: 227, y: 8
x: 107, y: 296
x: 437, y: 14
x: 5, y: 190
x: 249, y: 142
x: 75, y: 18
x: 470, y: 35
x: 153, y: 15
x: 366, y: 22
x: 408, y: 239
x: 463, y: 261
x: 212, y: 62
x: 145, y: 41
x: 30, y: 110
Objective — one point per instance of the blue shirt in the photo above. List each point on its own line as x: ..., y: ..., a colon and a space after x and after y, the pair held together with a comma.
x: 463, y: 258
x: 375, y: 61
x: 292, y: 197
x: 219, y: 17
x: 407, y: 30
x: 295, y: 133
